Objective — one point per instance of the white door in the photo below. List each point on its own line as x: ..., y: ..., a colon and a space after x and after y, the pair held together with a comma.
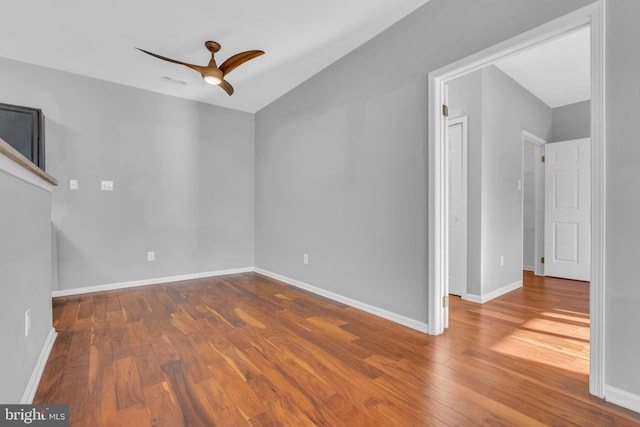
x: 457, y: 180
x: 567, y: 209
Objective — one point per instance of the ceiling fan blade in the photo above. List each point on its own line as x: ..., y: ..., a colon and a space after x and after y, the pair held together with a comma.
x: 238, y: 59
x: 226, y: 86
x: 198, y: 68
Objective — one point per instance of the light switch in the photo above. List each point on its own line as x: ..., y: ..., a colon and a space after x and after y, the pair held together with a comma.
x: 106, y: 185
x: 73, y: 184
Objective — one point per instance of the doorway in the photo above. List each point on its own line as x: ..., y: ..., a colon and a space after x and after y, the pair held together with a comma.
x: 533, y: 225
x: 457, y: 143
x: 591, y: 15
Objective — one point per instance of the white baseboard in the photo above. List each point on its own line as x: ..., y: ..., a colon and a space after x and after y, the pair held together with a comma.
x: 481, y: 299
x: 472, y: 298
x: 154, y: 281
x: 527, y: 268
x: 622, y: 398
x: 394, y: 317
x: 32, y: 385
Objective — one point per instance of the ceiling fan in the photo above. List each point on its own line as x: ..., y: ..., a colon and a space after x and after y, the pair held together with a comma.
x: 211, y: 73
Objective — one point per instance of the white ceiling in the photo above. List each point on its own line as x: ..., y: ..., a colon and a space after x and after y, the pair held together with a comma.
x: 97, y: 39
x: 557, y: 72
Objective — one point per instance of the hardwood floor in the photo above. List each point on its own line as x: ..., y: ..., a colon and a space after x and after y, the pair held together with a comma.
x: 247, y: 350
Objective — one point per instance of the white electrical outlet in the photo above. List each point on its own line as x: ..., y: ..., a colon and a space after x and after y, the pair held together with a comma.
x: 305, y: 258
x: 151, y: 256
x: 106, y: 185
x: 73, y: 184
x: 501, y: 260
x: 27, y: 322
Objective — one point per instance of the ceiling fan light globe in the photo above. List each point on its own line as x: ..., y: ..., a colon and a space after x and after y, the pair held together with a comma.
x: 212, y: 80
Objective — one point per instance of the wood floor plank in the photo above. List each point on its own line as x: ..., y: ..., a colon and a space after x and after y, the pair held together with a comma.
x: 248, y: 350
x: 163, y: 407
x: 243, y: 393
x: 148, y: 367
x: 107, y: 401
x: 50, y: 383
x: 127, y: 380
x: 120, y: 344
x: 134, y: 417
x: 74, y: 383
x: 194, y: 408
x: 163, y: 350
x: 225, y: 410
x: 94, y: 386
x: 138, y: 334
x: 348, y: 414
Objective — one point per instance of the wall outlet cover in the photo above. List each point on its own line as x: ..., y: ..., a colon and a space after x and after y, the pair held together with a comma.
x: 106, y: 185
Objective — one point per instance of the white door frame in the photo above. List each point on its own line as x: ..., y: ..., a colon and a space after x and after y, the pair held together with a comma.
x: 538, y: 143
x: 592, y: 15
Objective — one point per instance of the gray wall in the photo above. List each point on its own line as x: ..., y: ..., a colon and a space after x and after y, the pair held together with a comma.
x: 465, y: 99
x: 25, y: 281
x: 501, y: 109
x: 342, y: 158
x: 622, y: 313
x: 571, y: 121
x: 508, y: 109
x: 183, y: 174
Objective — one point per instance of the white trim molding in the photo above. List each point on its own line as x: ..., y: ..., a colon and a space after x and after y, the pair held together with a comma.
x: 481, y: 299
x: 598, y: 201
x: 10, y: 167
x: 145, y: 282
x: 34, y: 380
x: 533, y: 137
x: 592, y: 15
x: 380, y: 312
x: 622, y: 398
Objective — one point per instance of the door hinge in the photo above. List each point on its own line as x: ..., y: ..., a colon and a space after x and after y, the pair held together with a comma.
x: 445, y: 301
x: 542, y: 260
x: 445, y: 110
x: 542, y: 159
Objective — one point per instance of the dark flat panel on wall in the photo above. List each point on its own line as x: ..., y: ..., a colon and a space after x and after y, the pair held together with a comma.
x: 23, y: 129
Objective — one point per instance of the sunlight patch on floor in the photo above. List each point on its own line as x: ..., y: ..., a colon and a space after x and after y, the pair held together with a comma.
x: 569, y: 315
x: 532, y: 341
